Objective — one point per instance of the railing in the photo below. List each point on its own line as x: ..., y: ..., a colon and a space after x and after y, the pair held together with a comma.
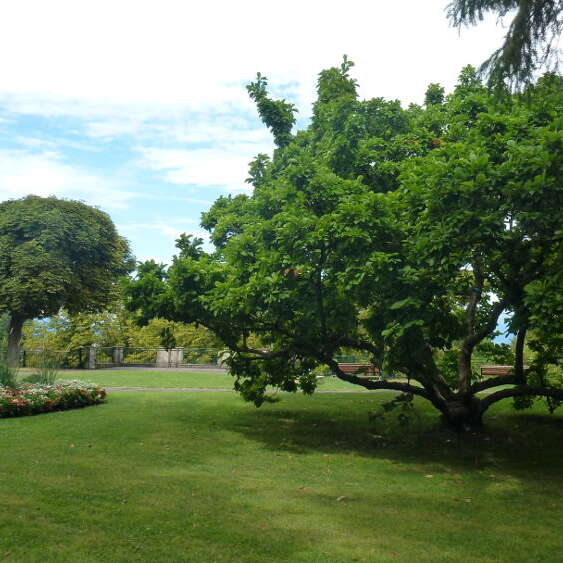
x: 139, y: 356
x: 92, y: 357
x: 201, y: 356
x: 60, y: 358
x: 118, y: 356
x: 105, y: 357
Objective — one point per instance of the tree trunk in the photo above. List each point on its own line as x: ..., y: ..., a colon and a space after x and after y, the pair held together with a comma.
x: 14, y: 339
x: 464, y: 368
x: 519, y: 352
x: 463, y: 415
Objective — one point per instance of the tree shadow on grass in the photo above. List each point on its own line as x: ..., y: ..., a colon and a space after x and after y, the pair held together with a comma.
x: 527, y: 443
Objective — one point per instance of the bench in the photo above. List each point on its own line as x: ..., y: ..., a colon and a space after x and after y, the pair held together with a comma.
x: 359, y: 369
x: 498, y: 370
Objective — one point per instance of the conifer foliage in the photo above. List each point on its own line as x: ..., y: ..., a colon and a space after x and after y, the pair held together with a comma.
x: 531, y: 40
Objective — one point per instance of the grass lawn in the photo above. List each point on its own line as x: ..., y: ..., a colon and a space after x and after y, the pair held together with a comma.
x: 151, y: 378
x: 171, y: 378
x: 206, y: 477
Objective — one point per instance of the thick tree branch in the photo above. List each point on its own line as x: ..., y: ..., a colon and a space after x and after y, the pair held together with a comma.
x: 471, y: 341
x: 474, y: 299
x: 259, y: 354
x: 373, y: 384
x: 493, y: 382
x: 521, y: 391
x: 464, y: 359
x: 519, y: 372
x: 320, y: 293
x: 490, y: 325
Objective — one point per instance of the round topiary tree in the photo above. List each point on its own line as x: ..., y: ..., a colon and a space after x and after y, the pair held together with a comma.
x: 56, y: 253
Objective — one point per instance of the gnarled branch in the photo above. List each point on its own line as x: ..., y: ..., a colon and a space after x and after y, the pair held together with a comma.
x: 521, y: 391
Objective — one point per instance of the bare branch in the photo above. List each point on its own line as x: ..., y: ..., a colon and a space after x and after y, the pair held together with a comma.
x: 491, y: 324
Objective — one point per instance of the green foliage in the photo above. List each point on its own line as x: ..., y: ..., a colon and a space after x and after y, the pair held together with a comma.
x: 116, y: 327
x: 434, y: 95
x: 402, y: 404
x: 495, y: 353
x: 46, y: 371
x: 396, y: 234
x: 56, y: 253
x: 167, y: 338
x: 53, y: 254
x: 4, y: 323
x: 8, y: 374
x: 276, y: 114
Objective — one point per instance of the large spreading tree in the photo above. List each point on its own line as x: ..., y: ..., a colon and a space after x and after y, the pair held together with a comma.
x: 399, y: 235
x: 56, y: 253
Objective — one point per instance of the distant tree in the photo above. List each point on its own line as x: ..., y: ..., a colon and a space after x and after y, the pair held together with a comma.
x: 530, y: 43
x: 56, y: 253
x: 112, y: 327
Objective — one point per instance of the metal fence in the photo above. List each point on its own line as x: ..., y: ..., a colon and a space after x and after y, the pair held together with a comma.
x: 149, y: 357
x: 201, y: 356
x: 106, y: 357
x: 59, y: 358
x: 139, y: 356
x: 119, y: 356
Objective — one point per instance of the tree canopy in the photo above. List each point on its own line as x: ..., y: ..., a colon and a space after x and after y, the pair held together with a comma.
x: 399, y: 235
x: 56, y: 253
x: 531, y: 42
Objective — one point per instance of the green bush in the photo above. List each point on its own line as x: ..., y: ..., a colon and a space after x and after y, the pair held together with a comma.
x: 8, y: 374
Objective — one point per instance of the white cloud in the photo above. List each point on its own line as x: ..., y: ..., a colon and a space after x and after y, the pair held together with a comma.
x: 34, y: 142
x: 112, y: 127
x: 150, y: 60
x: 168, y: 78
x: 172, y: 228
x: 45, y: 173
x: 227, y: 168
x: 169, y: 230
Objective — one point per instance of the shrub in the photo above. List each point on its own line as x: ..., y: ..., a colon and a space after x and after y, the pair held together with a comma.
x: 8, y: 374
x: 37, y: 398
x: 46, y: 370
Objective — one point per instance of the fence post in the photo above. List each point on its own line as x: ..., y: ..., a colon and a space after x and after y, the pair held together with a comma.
x: 117, y: 355
x: 176, y: 357
x: 162, y: 357
x: 91, y: 357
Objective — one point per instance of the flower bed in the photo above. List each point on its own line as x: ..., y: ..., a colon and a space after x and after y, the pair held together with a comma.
x: 37, y: 398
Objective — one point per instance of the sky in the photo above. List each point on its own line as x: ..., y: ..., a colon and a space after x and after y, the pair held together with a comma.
x: 140, y: 107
